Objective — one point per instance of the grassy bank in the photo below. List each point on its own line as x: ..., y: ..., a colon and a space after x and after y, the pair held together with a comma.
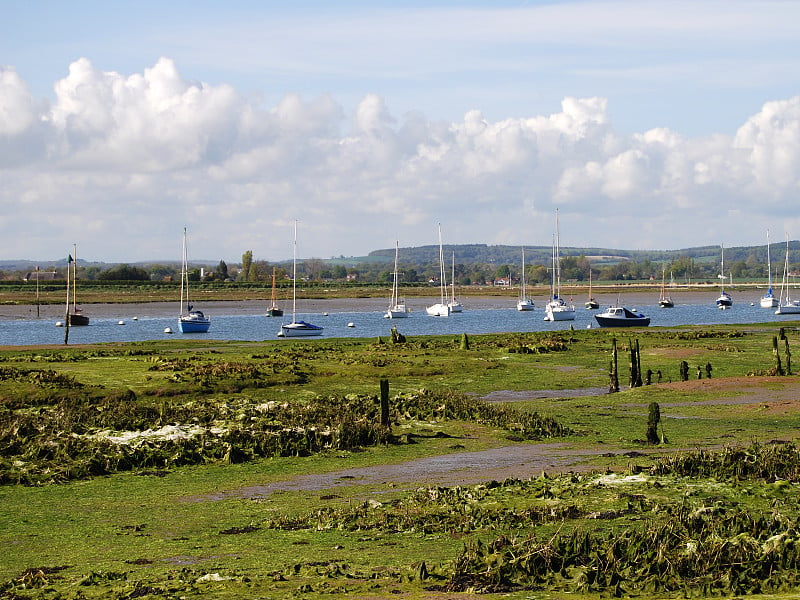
x: 196, y: 468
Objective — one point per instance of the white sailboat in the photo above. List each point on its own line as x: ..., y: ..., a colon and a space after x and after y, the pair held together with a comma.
x: 557, y: 308
x: 768, y: 300
x: 787, y: 306
x: 297, y: 328
x: 189, y: 319
x: 724, y: 299
x: 441, y: 308
x: 397, y: 306
x: 453, y: 303
x: 524, y: 302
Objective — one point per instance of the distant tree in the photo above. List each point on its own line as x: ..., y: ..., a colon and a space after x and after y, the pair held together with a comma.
x: 124, y: 273
x: 339, y: 272
x: 247, y: 261
x: 221, y: 271
x: 313, y: 267
x: 158, y: 272
x: 502, y: 271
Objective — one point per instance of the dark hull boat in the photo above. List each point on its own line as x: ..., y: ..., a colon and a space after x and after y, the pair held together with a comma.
x: 619, y: 316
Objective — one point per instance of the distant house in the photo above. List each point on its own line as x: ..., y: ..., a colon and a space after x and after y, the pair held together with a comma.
x: 42, y: 276
x: 352, y: 276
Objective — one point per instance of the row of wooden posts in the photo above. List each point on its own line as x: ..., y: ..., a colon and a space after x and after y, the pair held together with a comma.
x: 781, y: 367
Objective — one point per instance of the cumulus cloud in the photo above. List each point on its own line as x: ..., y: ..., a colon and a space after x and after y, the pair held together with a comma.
x: 148, y: 152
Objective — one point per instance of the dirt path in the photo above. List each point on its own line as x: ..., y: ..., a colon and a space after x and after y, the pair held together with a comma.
x: 522, y: 461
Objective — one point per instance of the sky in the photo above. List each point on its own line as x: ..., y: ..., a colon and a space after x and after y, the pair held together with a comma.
x: 647, y: 125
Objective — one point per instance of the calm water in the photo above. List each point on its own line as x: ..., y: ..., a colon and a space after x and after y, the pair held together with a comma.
x: 367, y: 322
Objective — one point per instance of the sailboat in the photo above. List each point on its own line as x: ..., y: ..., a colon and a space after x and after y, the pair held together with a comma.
x: 787, y: 306
x: 75, y: 318
x: 297, y: 328
x: 591, y: 303
x: 768, y: 300
x: 189, y: 319
x: 274, y: 310
x: 524, y: 302
x: 441, y: 308
x: 557, y: 308
x: 664, y: 301
x: 453, y: 303
x: 724, y: 299
x: 397, y: 306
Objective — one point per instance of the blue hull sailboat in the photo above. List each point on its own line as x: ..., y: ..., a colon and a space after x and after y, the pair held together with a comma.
x: 189, y: 320
x: 297, y: 328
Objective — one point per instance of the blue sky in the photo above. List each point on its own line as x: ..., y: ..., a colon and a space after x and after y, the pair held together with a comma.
x: 648, y: 124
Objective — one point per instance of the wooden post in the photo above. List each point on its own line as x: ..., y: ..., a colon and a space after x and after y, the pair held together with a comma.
x: 614, y: 383
x: 778, y: 367
x: 385, y: 402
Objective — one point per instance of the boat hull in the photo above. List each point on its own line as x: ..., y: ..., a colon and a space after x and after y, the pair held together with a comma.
x: 397, y: 312
x: 438, y: 310
x: 788, y: 309
x: 299, y: 329
x: 275, y: 312
x: 558, y: 310
x: 592, y: 305
x: 194, y: 323
x: 525, y: 304
x: 619, y: 316
x: 76, y: 320
x: 768, y: 300
x: 455, y: 307
x: 619, y: 322
x: 666, y: 303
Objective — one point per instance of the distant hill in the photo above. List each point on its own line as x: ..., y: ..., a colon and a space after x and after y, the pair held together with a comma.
x: 486, y: 254
x: 491, y: 254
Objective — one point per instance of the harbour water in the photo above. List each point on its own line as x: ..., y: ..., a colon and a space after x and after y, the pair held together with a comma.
x: 350, y: 318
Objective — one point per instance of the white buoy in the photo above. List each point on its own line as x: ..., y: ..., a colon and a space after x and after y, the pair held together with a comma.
x: 135, y: 318
x: 351, y: 324
x: 168, y: 330
x: 324, y: 314
x: 59, y: 323
x: 120, y: 322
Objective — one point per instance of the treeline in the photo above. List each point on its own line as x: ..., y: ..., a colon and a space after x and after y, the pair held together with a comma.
x: 475, y: 264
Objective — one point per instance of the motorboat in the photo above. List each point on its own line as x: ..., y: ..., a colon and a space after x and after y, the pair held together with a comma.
x: 619, y: 316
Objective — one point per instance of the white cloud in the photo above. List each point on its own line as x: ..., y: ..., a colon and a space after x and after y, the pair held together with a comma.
x: 131, y: 159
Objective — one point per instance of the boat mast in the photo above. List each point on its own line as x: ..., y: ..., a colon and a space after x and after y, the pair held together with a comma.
x: 184, y: 275
x: 66, y: 310
x: 294, y: 274
x: 395, y: 291
x: 74, y: 277
x: 443, y: 285
x: 558, y: 257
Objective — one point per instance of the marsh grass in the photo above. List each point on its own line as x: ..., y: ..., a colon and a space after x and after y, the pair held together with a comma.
x: 204, y: 530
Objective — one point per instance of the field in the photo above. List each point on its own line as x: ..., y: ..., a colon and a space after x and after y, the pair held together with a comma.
x: 492, y: 466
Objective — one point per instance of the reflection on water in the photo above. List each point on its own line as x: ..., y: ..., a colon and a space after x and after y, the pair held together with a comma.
x: 365, y: 324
